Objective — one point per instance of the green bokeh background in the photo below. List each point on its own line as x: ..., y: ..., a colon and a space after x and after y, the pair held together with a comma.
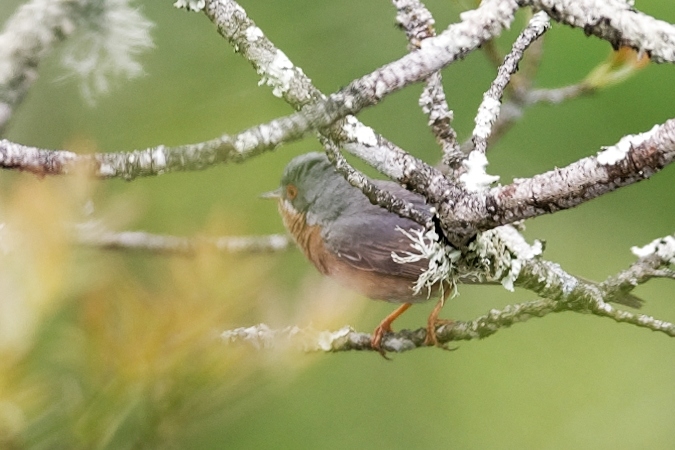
x: 565, y: 381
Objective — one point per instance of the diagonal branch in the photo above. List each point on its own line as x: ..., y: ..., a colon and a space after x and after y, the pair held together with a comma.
x: 24, y: 43
x: 417, y: 22
x: 615, y: 21
x: 654, y: 260
x: 488, y: 111
x: 634, y: 158
x: 376, y: 195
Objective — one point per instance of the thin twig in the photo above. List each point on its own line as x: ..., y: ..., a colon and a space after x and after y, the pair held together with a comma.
x: 488, y: 111
x: 418, y: 23
x: 93, y: 236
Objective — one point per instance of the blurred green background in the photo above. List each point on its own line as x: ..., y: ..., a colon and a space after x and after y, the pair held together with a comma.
x: 120, y: 350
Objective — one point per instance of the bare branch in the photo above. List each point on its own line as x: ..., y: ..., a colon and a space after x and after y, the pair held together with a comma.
x: 92, y: 236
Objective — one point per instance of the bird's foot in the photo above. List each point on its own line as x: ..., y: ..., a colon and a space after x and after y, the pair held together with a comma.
x: 431, y: 339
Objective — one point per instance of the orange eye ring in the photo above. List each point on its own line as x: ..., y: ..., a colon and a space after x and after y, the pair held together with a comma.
x: 291, y: 192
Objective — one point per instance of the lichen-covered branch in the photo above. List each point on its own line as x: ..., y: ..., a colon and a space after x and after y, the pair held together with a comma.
x: 362, y: 141
x: 559, y: 290
x: 478, y: 26
x: 615, y: 21
x: 654, y: 261
x: 473, y: 173
x: 111, y: 36
x: 418, y: 23
x: 488, y: 111
x: 25, y: 42
x: 634, y: 158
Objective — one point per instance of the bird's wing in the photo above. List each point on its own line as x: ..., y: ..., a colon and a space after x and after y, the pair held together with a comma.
x: 365, y: 235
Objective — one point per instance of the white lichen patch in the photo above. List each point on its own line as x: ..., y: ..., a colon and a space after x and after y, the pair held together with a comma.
x: 487, y: 115
x: 503, y: 251
x: 278, y: 74
x: 106, y: 170
x: 360, y: 133
x: 329, y: 340
x: 495, y: 255
x: 159, y: 158
x: 245, y: 141
x: 253, y: 34
x: 262, y: 336
x: 663, y: 247
x: 192, y: 5
x: 475, y: 178
x: 442, y: 258
x: 617, y: 152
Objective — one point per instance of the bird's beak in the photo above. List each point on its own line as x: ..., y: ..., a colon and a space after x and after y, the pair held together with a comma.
x: 275, y: 194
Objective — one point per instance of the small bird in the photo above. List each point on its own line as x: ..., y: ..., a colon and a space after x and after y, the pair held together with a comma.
x: 351, y: 240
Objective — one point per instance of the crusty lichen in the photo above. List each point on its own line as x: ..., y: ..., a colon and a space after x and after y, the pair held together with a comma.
x: 495, y: 255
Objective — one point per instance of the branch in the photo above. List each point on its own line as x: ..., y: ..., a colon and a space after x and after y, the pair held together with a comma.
x: 478, y: 26
x: 488, y: 111
x: 462, y: 213
x: 417, y: 22
x: 615, y: 21
x: 28, y: 37
x: 560, y: 291
x: 474, y: 176
x: 653, y: 263
x: 92, y: 236
x: 634, y: 158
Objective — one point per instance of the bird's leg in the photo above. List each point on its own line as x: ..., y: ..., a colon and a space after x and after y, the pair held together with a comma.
x: 385, y: 327
x: 433, y: 321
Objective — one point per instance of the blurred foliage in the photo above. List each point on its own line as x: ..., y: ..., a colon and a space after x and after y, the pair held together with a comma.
x: 120, y: 350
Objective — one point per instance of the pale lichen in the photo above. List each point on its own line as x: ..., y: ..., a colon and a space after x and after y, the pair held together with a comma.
x: 663, y: 247
x: 442, y: 258
x: 107, y: 47
x: 475, y: 178
x: 192, y: 5
x: 617, y: 152
x: 495, y: 255
x: 357, y: 132
x: 278, y: 74
x: 487, y: 114
x: 502, y: 252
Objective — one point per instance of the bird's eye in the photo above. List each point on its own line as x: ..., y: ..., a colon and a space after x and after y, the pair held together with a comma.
x: 291, y: 191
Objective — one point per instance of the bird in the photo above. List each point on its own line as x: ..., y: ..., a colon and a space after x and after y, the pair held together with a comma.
x: 351, y: 240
